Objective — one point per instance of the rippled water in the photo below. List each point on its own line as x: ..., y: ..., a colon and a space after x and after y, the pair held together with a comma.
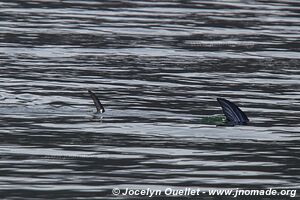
x: 158, y: 68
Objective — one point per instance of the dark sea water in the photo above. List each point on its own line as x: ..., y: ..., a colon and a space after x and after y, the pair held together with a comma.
x: 158, y: 67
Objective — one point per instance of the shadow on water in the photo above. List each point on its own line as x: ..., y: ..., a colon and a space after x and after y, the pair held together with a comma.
x: 158, y: 68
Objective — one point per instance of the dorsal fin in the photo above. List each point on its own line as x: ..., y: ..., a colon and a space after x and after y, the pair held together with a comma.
x: 99, y: 106
x: 233, y: 113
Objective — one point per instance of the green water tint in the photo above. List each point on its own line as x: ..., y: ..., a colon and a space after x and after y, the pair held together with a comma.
x: 214, y: 120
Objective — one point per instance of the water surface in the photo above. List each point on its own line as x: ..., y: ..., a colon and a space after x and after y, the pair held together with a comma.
x: 158, y: 68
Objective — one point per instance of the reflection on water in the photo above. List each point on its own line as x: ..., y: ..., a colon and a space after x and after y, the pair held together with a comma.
x: 158, y: 68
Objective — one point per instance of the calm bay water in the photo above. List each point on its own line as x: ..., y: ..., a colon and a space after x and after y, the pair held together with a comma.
x: 158, y: 68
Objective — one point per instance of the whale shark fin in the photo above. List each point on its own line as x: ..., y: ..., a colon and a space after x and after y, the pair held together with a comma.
x: 233, y: 113
x: 99, y: 106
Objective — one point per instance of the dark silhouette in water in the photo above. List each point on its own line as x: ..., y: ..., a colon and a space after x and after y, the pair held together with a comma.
x: 234, y: 115
x: 99, y: 106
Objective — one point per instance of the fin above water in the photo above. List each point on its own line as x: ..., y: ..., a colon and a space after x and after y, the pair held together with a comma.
x: 99, y: 106
x: 234, y: 115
